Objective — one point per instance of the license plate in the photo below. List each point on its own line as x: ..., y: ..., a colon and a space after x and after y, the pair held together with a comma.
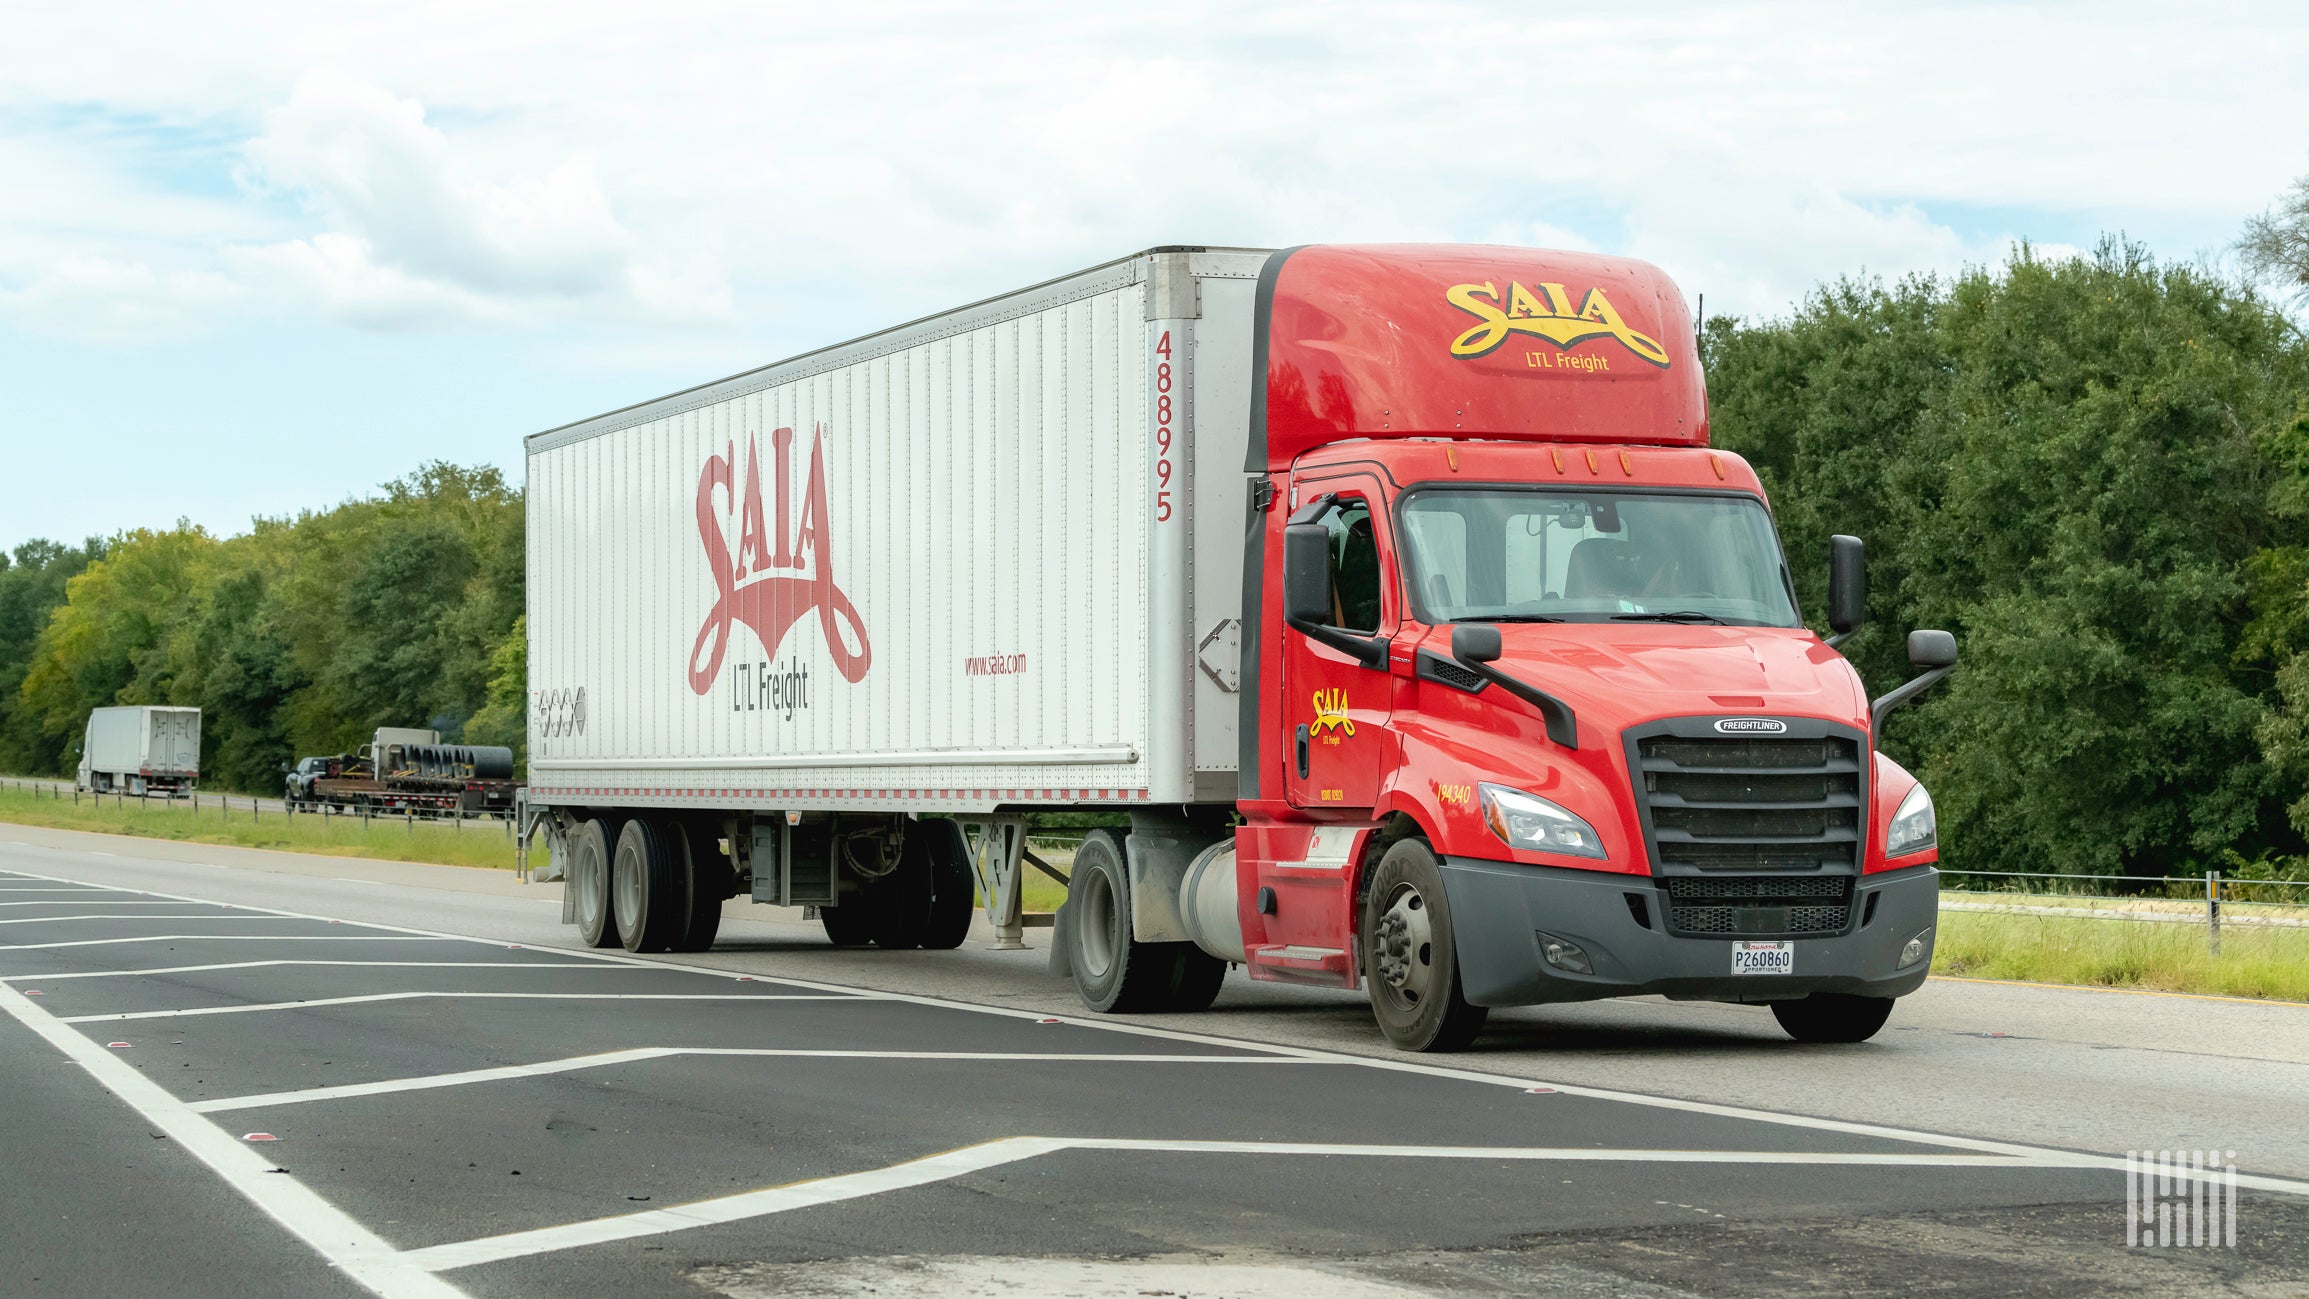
x: 1763, y: 958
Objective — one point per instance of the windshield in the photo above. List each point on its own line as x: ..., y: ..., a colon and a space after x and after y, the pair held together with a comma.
x: 1509, y: 553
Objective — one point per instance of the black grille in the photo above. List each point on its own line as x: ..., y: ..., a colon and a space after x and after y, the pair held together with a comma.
x: 1768, y: 906
x: 1752, y: 804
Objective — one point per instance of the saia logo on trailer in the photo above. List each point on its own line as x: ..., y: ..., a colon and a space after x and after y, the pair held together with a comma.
x: 761, y: 582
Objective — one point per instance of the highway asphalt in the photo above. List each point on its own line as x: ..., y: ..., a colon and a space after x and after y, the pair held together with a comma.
x: 247, y: 1073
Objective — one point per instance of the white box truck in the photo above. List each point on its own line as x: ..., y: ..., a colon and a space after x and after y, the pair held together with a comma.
x: 141, y: 749
x: 1393, y: 593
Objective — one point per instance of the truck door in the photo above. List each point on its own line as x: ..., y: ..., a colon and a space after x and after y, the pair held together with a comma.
x: 1335, y: 710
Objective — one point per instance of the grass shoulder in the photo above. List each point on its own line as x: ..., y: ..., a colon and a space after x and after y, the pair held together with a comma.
x: 234, y: 822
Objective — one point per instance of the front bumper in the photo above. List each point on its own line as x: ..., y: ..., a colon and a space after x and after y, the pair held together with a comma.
x: 1499, y: 908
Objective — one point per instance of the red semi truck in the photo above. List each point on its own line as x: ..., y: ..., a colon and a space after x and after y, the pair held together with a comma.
x: 1393, y: 592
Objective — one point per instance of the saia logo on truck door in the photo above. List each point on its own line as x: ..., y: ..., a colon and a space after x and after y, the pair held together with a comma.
x: 1547, y: 314
x: 760, y: 583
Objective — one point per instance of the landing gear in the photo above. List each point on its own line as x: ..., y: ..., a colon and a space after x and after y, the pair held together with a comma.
x: 1833, y: 1017
x: 1113, y: 971
x: 1410, y: 957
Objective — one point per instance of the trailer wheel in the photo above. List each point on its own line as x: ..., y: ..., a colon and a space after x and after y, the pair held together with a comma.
x: 1832, y: 1017
x: 1410, y: 961
x: 706, y: 886
x: 901, y: 899
x: 651, y: 888
x: 850, y: 926
x: 953, y: 890
x: 1113, y: 971
x: 589, y: 881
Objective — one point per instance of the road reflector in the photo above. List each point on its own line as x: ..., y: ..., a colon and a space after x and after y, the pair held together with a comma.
x: 117, y: 1046
x: 258, y: 1136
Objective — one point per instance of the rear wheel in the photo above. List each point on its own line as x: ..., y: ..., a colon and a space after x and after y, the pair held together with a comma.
x: 708, y: 883
x: 952, y: 888
x: 589, y: 882
x: 1410, y: 961
x: 650, y: 888
x: 1833, y: 1017
x: 901, y: 898
x: 1112, y: 970
x: 848, y: 926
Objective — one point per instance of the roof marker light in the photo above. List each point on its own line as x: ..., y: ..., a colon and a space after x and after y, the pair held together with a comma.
x: 1627, y: 466
x: 1591, y: 462
x: 1718, y: 463
x: 1557, y: 454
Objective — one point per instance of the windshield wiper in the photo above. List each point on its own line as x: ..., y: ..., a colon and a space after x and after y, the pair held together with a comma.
x: 1677, y: 615
x: 1506, y: 617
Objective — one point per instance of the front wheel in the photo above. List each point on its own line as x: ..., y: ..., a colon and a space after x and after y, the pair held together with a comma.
x: 1410, y: 959
x: 1833, y: 1017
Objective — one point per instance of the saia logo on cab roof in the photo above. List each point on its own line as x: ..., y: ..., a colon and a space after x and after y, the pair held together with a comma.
x: 760, y: 582
x: 1547, y: 314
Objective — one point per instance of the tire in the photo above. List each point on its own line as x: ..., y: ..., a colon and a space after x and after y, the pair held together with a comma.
x: 589, y: 882
x: 1199, y: 978
x: 650, y: 887
x: 1410, y: 959
x: 899, y: 902
x: 1833, y: 1017
x: 850, y: 926
x: 1112, y: 971
x: 706, y: 884
x: 953, y: 889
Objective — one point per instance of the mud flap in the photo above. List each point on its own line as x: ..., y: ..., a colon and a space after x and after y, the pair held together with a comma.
x: 1062, y: 944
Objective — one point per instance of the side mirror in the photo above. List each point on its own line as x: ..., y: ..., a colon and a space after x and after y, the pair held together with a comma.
x: 1306, y: 573
x: 1931, y: 649
x: 1847, y: 586
x: 1475, y: 642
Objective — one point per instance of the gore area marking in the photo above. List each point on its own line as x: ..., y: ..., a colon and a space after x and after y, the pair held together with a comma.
x: 482, y: 996
x: 332, y: 1234
x: 635, y: 1055
x: 972, y: 1159
x: 2113, y: 1163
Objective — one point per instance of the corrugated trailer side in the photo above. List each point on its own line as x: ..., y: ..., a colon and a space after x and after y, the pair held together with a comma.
x: 958, y: 565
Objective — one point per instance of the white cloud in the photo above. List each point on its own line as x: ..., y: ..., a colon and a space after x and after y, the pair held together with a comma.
x: 95, y: 300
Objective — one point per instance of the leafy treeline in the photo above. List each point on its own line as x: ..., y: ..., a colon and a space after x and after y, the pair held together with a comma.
x: 2095, y: 471
x: 300, y: 637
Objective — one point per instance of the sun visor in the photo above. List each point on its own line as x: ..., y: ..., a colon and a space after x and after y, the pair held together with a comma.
x: 1412, y: 340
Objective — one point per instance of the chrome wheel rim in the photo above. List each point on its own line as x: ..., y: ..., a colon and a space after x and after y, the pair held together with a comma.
x: 1403, y: 946
x: 1096, y: 933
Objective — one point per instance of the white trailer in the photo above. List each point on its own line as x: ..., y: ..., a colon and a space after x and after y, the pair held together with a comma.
x: 987, y: 561
x: 141, y: 749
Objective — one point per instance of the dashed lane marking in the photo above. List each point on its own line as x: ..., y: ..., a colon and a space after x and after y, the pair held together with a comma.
x: 232, y: 938
x: 251, y: 965
x: 366, y: 997
x: 51, y: 920
x: 635, y: 1055
x: 973, y: 1159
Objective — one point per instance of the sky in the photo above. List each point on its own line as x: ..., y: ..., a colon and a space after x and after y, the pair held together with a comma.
x: 260, y: 257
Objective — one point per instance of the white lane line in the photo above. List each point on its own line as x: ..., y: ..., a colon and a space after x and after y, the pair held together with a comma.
x: 972, y: 1159
x: 571, y: 1064
x: 333, y: 1234
x: 105, y: 902
x: 251, y: 965
x: 1807, y: 1122
x: 51, y: 920
x: 472, y: 996
x: 232, y: 938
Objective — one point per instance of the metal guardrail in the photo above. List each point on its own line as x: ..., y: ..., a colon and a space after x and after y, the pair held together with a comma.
x: 255, y: 809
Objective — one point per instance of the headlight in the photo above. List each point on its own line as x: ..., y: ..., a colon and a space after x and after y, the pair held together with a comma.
x: 1914, y: 827
x: 1527, y: 821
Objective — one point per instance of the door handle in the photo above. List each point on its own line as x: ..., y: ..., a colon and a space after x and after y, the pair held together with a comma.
x: 1303, y: 751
